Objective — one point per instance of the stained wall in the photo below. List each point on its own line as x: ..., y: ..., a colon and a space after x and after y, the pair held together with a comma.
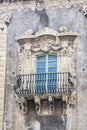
x: 53, y: 17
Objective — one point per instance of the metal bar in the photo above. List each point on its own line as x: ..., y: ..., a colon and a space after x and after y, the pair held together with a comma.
x: 38, y: 83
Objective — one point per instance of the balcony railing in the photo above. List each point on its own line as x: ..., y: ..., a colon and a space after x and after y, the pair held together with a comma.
x: 43, y: 83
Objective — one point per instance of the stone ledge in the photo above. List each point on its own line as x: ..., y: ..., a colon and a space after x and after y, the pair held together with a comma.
x: 47, y: 4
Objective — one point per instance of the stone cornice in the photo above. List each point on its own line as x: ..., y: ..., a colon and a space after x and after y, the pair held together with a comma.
x: 63, y: 31
x: 19, y: 6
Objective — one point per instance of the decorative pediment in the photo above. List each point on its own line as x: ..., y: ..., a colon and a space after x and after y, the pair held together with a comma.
x: 29, y: 34
x: 46, y: 31
x: 63, y: 32
x: 47, y: 40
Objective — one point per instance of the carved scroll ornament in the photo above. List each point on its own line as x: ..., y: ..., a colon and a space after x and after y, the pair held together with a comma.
x: 46, y: 47
x: 85, y: 10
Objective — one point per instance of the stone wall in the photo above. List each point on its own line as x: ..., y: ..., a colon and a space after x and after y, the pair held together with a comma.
x: 26, y: 16
x: 3, y: 47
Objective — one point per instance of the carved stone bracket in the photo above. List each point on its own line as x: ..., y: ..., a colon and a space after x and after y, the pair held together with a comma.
x: 68, y: 102
x: 38, y: 104
x: 22, y: 102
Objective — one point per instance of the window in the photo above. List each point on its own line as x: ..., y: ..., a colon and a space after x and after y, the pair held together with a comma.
x: 46, y: 73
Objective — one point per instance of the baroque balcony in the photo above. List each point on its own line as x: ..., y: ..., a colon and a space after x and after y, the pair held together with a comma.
x: 43, y: 84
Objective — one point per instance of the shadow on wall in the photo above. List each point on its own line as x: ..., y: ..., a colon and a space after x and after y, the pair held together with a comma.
x: 45, y: 122
x: 44, y: 19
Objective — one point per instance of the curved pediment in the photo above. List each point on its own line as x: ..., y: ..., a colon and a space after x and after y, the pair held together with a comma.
x: 46, y: 31
x: 29, y: 34
x: 47, y: 34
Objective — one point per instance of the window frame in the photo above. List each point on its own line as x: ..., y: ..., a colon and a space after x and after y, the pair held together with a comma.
x: 46, y: 66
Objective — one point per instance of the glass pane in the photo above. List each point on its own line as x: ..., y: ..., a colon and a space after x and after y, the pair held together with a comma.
x: 41, y: 70
x: 41, y: 65
x: 52, y: 64
x: 41, y: 86
x: 52, y: 57
x: 52, y: 70
x: 41, y: 59
x: 41, y: 77
x: 52, y: 76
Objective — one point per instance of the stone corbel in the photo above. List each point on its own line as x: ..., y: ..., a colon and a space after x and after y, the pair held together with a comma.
x: 65, y: 103
x: 50, y: 99
x: 37, y: 103
x: 68, y: 102
x: 72, y: 98
x: 22, y: 102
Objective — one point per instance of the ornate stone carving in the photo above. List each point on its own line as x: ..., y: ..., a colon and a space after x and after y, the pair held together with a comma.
x: 46, y: 31
x: 39, y: 4
x: 50, y: 99
x: 6, y: 18
x: 47, y: 4
x: 44, y: 41
x: 85, y: 9
x: 46, y: 47
x: 72, y: 98
x: 72, y: 80
x: 63, y: 29
x: 3, y: 27
x: 22, y: 102
x: 27, y: 53
x: 28, y: 34
x: 38, y: 104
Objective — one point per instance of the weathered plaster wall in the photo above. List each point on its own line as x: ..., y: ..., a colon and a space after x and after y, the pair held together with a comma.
x: 3, y: 44
x: 22, y: 20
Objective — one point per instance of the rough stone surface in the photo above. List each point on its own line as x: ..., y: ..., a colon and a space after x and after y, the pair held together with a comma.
x: 3, y: 45
x: 30, y: 18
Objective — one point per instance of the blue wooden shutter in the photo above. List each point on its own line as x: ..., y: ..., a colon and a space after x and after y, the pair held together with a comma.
x: 46, y: 73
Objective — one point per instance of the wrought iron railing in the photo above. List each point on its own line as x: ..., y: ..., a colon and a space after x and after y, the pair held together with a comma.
x: 43, y: 83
